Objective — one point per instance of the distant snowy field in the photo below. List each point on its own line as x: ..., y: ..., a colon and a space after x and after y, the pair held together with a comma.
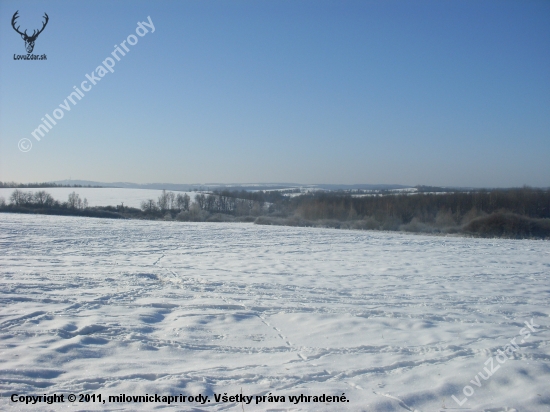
x: 397, y: 322
x: 108, y: 196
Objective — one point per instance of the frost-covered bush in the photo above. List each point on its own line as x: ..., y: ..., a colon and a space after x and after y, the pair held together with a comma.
x: 415, y: 225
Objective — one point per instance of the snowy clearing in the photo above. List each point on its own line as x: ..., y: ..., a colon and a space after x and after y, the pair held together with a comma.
x: 397, y: 322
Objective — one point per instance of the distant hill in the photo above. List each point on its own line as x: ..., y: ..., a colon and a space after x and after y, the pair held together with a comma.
x: 233, y: 186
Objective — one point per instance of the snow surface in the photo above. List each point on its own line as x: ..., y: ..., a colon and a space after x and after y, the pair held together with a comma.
x: 397, y: 322
x: 105, y: 196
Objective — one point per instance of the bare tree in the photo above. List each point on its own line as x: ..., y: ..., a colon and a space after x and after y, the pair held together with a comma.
x: 196, y: 214
x: 148, y: 205
x: 242, y: 207
x: 210, y: 202
x: 43, y: 198
x: 74, y: 201
x: 256, y: 209
x: 200, y: 199
x: 182, y: 201
x: 171, y: 200
x: 19, y: 198
x: 164, y: 201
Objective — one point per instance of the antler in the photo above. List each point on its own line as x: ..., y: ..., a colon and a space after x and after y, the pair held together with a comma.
x: 15, y: 16
x: 43, y: 26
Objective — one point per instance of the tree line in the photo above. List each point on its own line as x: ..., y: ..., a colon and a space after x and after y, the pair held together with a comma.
x: 522, y: 212
x: 425, y: 207
x: 13, y: 185
x: 180, y: 206
x: 43, y: 199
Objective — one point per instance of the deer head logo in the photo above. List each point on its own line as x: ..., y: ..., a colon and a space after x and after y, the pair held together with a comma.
x: 29, y: 40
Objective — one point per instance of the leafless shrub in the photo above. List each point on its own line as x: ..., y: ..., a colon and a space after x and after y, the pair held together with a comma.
x: 444, y: 218
x: 471, y: 215
x: 183, y: 216
x: 508, y: 225
x: 220, y: 217
x: 371, y: 223
x: 196, y: 214
x: 245, y: 219
x: 391, y: 223
x: 289, y: 221
x: 416, y: 226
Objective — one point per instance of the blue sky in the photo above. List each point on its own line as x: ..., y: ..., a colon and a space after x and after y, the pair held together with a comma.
x: 451, y: 93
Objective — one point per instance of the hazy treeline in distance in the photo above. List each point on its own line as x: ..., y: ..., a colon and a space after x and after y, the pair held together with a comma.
x: 513, y: 213
x: 39, y: 185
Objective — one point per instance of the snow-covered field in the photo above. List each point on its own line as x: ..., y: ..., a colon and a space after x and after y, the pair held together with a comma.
x: 107, y: 196
x: 395, y: 322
